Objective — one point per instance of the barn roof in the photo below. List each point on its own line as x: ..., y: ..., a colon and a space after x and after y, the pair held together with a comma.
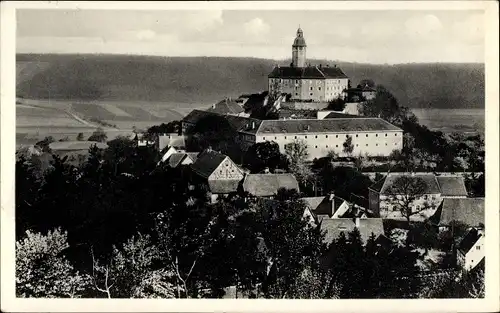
x: 265, y: 185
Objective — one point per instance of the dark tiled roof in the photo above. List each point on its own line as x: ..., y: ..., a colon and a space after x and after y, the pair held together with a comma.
x: 452, y: 185
x: 306, y: 72
x: 223, y: 186
x: 175, y: 159
x: 377, y: 186
x: 341, y: 115
x: 469, y: 240
x: 320, y: 205
x: 302, y: 114
x: 469, y: 211
x: 226, y: 106
x: 429, y: 180
x: 265, y: 185
x: 236, y: 122
x: 207, y: 162
x: 337, y: 125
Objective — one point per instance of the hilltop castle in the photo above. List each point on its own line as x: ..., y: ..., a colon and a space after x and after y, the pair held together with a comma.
x: 305, y: 82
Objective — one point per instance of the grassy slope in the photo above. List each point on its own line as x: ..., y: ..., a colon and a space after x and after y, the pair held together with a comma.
x: 207, y: 79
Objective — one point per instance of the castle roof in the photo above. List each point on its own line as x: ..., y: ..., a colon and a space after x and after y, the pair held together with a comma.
x: 308, y: 72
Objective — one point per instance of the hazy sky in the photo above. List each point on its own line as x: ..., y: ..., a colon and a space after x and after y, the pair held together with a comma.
x: 359, y: 36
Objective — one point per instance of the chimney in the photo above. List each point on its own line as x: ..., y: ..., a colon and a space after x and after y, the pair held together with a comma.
x: 357, y: 222
x: 331, y: 199
x: 253, y: 125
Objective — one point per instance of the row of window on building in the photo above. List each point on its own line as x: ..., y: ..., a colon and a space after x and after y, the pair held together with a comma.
x: 336, y: 136
x: 318, y: 82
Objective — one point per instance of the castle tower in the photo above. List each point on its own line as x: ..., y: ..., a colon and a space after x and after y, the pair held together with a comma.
x: 299, y: 50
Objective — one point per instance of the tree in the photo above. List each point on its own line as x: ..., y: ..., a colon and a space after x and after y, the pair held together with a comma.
x: 98, y: 135
x: 44, y: 144
x: 367, y: 82
x: 336, y: 104
x: 360, y: 162
x: 348, y: 147
x: 132, y: 271
x: 163, y: 128
x: 43, y: 271
x: 27, y: 187
x: 332, y: 155
x: 293, y: 245
x: 403, y: 193
x: 297, y: 154
x: 264, y: 155
x: 79, y: 137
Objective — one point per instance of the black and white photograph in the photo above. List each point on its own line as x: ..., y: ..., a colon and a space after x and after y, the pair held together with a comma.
x: 231, y: 150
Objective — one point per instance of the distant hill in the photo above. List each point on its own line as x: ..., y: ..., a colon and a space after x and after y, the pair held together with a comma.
x: 208, y: 79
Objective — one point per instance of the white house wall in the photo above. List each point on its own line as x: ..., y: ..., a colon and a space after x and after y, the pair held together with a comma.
x: 319, y: 144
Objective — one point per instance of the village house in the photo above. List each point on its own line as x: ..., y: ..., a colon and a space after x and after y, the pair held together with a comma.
x: 384, y: 194
x: 218, y: 171
x: 267, y: 185
x: 470, y: 250
x: 305, y: 82
x: 181, y: 158
x: 228, y: 106
x: 469, y: 211
x: 331, y: 206
x: 366, y: 226
x: 171, y: 139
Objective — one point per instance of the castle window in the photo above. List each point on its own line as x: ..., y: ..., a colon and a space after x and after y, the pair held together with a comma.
x: 376, y: 135
x: 386, y: 135
x: 336, y: 136
x: 336, y: 146
x: 316, y: 147
x: 285, y: 137
x: 376, y: 145
x: 296, y: 81
x: 478, y: 247
x: 275, y: 138
x: 263, y: 138
x: 395, y: 134
x: 316, y: 136
x: 327, y: 146
x: 366, y: 135
x: 386, y: 144
x: 311, y: 94
x: 296, y: 94
x: 326, y: 136
x: 319, y: 88
x: 310, y: 88
x: 295, y: 137
x: 356, y: 135
x: 367, y: 145
x: 357, y: 145
x: 305, y: 137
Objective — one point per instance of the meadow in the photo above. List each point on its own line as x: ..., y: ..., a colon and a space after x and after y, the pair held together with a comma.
x: 124, y: 93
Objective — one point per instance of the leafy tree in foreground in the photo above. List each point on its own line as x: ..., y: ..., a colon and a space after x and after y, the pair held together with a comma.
x: 43, y: 271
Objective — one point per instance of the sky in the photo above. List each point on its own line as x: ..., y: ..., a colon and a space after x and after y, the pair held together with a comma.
x: 353, y: 36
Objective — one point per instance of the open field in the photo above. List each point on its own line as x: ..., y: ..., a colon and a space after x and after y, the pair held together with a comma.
x: 452, y: 120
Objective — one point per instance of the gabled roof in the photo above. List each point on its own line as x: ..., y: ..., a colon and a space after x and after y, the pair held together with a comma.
x: 175, y: 159
x: 336, y: 125
x: 320, y: 205
x: 265, y: 185
x: 236, y: 122
x: 223, y: 186
x: 298, y: 114
x: 367, y: 226
x: 334, y: 226
x: 227, y: 106
x: 207, y: 162
x: 193, y: 155
x: 469, y: 211
x: 432, y: 186
x: 452, y: 185
x: 307, y: 72
x: 469, y: 240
